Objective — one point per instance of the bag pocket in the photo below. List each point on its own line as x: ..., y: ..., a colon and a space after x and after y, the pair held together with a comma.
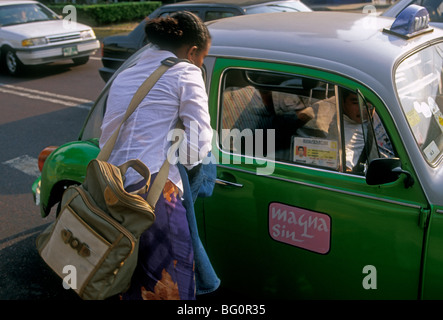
x: 93, y: 243
x: 74, y: 243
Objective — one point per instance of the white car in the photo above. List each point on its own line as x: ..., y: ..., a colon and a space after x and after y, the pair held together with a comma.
x: 32, y: 34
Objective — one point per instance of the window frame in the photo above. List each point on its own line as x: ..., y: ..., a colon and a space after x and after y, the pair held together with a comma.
x: 224, y: 64
x: 338, y: 119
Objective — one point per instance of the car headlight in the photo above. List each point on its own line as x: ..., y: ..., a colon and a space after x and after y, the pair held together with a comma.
x: 34, y: 42
x: 87, y: 34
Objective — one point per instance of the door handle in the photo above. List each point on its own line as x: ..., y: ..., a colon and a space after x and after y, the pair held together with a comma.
x: 228, y: 183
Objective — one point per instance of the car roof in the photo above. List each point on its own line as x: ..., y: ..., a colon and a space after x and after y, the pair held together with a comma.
x: 8, y: 2
x: 347, y: 43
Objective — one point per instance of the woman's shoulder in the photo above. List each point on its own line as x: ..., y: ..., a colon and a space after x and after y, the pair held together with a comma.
x: 186, y: 65
x: 154, y: 56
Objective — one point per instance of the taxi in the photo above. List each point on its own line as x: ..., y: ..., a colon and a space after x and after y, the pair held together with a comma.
x: 328, y: 140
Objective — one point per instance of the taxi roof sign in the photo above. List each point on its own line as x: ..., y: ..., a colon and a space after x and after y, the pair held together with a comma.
x: 411, y: 22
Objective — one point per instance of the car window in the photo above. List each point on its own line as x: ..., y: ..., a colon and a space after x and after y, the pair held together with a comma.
x: 419, y: 85
x: 213, y: 15
x: 24, y: 13
x: 168, y: 13
x: 300, y: 115
x: 284, y: 6
x: 435, y: 9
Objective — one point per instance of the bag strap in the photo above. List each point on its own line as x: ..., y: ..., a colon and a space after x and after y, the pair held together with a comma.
x: 162, y: 175
x: 140, y: 94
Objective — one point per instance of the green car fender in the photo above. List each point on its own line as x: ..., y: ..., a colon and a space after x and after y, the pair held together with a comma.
x: 65, y: 166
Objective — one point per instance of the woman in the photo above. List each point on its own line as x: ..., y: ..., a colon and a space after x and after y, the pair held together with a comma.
x: 166, y: 265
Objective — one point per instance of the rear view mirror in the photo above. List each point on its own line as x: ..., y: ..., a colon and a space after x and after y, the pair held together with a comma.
x: 381, y: 171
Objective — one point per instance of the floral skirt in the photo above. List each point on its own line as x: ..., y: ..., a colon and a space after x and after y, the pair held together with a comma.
x: 165, y: 268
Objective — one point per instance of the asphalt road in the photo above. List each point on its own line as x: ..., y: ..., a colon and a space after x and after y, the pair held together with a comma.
x: 45, y: 106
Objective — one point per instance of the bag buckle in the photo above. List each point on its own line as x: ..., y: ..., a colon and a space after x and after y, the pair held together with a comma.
x: 172, y: 61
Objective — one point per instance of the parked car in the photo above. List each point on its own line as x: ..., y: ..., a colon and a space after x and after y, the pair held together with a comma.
x: 116, y: 49
x: 32, y: 34
x: 434, y: 7
x: 287, y: 219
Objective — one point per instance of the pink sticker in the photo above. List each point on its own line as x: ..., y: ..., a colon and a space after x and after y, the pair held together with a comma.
x: 299, y: 227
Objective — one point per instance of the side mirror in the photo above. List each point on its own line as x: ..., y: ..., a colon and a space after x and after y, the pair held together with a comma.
x: 381, y: 171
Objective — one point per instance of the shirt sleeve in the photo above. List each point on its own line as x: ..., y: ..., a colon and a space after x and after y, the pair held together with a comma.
x: 194, y: 113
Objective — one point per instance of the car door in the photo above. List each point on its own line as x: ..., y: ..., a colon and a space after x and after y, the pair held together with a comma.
x: 286, y: 219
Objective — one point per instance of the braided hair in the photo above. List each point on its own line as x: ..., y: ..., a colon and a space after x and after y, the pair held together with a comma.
x: 174, y: 31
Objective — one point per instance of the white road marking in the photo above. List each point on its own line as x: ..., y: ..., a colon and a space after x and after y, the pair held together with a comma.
x: 95, y: 58
x: 46, y: 96
x: 26, y: 164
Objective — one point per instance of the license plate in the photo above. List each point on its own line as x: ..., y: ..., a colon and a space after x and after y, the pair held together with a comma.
x: 70, y: 51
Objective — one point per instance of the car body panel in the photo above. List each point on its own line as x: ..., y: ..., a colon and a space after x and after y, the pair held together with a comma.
x: 349, y: 232
x: 55, y: 53
x: 116, y: 49
x: 432, y: 280
x: 258, y: 225
x: 64, y: 166
x: 42, y: 28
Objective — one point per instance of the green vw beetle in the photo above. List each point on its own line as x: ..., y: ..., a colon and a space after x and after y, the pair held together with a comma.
x: 328, y: 137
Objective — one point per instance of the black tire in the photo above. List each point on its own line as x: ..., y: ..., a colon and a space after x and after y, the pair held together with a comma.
x: 80, y: 60
x: 11, y: 63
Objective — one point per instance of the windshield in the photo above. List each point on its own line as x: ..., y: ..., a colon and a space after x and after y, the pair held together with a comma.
x: 24, y: 13
x: 420, y: 89
x: 284, y: 6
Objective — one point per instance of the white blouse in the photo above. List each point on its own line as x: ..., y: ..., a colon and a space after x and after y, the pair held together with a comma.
x: 180, y: 92
x: 354, y: 140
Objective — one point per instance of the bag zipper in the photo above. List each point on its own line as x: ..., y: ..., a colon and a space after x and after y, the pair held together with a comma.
x: 108, y: 219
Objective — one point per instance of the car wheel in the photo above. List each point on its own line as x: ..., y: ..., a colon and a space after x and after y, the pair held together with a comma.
x: 11, y: 63
x: 80, y: 60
